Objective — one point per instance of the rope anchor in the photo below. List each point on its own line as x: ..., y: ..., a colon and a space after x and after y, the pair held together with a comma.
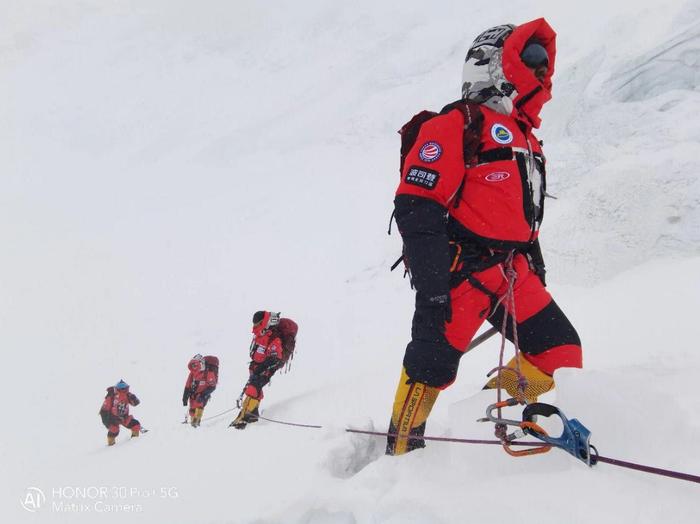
x: 575, y: 437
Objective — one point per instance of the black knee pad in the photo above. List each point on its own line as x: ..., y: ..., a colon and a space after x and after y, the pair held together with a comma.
x: 431, y: 363
x: 544, y: 330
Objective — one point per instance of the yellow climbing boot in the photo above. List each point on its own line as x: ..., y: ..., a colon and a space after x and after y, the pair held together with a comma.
x: 248, y: 413
x: 197, y: 417
x: 111, y: 440
x: 412, y: 405
x: 538, y: 382
x: 134, y: 433
x: 251, y: 412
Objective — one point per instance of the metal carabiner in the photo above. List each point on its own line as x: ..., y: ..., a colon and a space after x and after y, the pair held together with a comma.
x: 523, y: 428
x: 490, y: 417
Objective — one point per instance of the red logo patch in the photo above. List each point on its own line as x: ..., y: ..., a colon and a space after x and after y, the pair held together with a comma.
x: 498, y: 176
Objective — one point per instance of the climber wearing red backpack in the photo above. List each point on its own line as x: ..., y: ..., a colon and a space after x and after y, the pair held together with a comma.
x: 272, y: 347
x: 469, y: 208
x: 115, y: 411
x: 201, y: 383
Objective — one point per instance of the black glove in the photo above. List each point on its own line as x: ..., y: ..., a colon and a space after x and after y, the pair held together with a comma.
x: 206, y: 394
x: 423, y: 226
x: 430, y: 317
x: 134, y: 400
x: 185, y: 396
x: 422, y: 223
x: 106, y: 418
x: 268, y: 366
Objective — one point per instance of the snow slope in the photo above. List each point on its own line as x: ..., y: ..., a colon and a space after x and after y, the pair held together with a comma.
x: 169, y: 168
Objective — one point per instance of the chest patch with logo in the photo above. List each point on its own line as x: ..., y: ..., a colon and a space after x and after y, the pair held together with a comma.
x: 422, y: 177
x: 498, y: 176
x: 430, y: 152
x: 501, y: 134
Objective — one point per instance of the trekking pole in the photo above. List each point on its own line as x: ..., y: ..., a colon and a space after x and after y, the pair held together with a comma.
x: 482, y: 338
x: 240, y: 398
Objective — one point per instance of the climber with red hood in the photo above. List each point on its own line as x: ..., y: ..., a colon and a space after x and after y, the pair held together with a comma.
x: 115, y: 411
x: 469, y: 208
x: 274, y: 340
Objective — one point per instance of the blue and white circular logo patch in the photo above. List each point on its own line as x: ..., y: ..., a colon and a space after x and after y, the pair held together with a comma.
x: 501, y: 134
x: 430, y: 152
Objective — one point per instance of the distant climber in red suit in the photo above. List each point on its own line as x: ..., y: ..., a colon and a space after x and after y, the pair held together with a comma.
x: 274, y: 340
x: 115, y: 411
x: 200, y: 384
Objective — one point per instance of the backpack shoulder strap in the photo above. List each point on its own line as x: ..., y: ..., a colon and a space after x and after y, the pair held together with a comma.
x: 471, y: 137
x: 473, y: 124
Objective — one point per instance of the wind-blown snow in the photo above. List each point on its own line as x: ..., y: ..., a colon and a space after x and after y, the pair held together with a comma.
x: 168, y: 168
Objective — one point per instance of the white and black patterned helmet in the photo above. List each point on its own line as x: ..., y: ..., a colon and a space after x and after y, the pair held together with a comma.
x: 483, y: 80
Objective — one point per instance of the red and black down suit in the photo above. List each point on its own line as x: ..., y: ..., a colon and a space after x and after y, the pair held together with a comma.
x: 266, y: 355
x: 200, y: 384
x: 461, y: 218
x: 115, y: 411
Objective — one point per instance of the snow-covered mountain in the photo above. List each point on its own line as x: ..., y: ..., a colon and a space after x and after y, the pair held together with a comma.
x: 170, y: 167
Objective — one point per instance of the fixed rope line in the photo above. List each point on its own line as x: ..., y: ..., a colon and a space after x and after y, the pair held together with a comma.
x: 607, y: 460
x: 689, y: 477
x: 290, y: 423
x: 478, y: 340
x: 651, y: 469
x: 219, y: 414
x: 444, y: 439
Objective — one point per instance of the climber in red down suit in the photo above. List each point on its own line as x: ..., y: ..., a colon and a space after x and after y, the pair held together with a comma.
x: 274, y: 340
x: 115, y: 411
x: 469, y: 207
x: 200, y: 384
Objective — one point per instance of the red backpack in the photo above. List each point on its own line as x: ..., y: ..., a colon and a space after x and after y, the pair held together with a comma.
x: 211, y: 363
x: 287, y: 329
